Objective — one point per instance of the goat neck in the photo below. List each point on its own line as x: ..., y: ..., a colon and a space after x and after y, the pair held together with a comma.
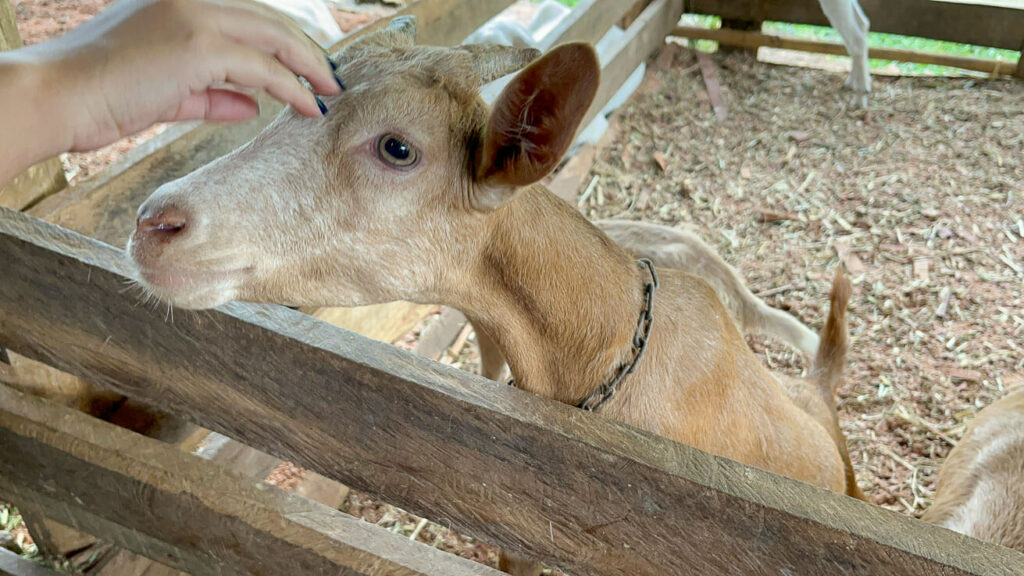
x: 557, y: 296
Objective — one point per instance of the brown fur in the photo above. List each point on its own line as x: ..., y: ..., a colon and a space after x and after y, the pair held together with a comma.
x: 310, y: 213
x: 685, y: 250
x: 981, y: 485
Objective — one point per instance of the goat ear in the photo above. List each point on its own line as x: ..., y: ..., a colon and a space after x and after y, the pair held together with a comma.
x: 534, y: 122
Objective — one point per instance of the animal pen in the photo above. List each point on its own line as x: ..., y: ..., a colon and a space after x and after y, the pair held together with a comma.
x: 584, y: 493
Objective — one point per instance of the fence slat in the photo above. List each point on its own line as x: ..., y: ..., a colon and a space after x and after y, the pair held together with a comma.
x: 644, y: 36
x: 984, y: 25
x: 186, y: 512
x: 581, y: 492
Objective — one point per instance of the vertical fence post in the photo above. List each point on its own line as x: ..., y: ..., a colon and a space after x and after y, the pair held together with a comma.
x: 1020, y: 62
x: 744, y: 25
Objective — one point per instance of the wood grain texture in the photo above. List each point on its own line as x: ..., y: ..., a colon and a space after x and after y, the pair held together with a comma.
x: 106, y: 211
x: 980, y: 24
x: 646, y: 34
x: 588, y: 22
x: 35, y: 183
x: 383, y: 322
x: 188, y: 513
x: 9, y: 37
x: 583, y: 493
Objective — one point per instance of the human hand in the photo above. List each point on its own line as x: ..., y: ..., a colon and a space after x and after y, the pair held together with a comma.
x: 146, y: 61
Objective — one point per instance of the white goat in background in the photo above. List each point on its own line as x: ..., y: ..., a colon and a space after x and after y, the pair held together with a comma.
x: 848, y: 18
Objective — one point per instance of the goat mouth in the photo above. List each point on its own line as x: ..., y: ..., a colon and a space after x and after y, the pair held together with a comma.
x: 192, y: 288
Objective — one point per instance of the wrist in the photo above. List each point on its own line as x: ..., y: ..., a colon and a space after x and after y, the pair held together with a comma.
x: 33, y: 125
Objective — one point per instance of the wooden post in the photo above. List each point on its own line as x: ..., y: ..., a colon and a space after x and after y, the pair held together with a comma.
x: 1020, y: 62
x: 744, y: 25
x: 45, y: 178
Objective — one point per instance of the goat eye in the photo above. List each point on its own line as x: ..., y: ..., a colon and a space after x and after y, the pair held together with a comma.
x: 396, y: 152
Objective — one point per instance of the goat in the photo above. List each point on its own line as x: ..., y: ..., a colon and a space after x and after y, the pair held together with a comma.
x: 980, y: 491
x: 685, y: 250
x: 411, y: 189
x: 848, y: 18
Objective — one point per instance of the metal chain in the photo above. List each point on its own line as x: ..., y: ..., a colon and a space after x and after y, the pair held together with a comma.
x: 642, y: 336
x: 640, y: 339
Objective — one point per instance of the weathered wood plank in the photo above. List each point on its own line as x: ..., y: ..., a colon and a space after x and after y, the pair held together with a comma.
x: 35, y: 183
x: 107, y: 211
x: 640, y: 40
x: 383, y: 322
x: 185, y: 512
x: 9, y: 37
x: 44, y: 178
x: 579, y: 491
x: 979, y: 24
x: 588, y: 22
x: 730, y: 37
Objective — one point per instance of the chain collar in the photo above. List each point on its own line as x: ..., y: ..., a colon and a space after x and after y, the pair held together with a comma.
x: 603, y: 393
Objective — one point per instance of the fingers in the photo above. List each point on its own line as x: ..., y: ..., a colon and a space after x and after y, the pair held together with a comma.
x: 215, y: 105
x: 246, y: 68
x: 271, y: 33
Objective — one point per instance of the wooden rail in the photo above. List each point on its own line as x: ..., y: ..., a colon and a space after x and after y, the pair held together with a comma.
x: 750, y: 39
x: 146, y: 496
x: 980, y: 24
x: 581, y: 492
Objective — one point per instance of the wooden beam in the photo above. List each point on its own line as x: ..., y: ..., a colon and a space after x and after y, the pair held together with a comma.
x: 757, y: 39
x: 185, y: 512
x: 107, y: 211
x: 42, y: 179
x: 640, y: 41
x: 979, y: 24
x: 572, y: 488
x: 588, y: 22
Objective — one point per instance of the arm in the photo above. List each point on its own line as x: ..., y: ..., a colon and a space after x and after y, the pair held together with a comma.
x: 146, y: 61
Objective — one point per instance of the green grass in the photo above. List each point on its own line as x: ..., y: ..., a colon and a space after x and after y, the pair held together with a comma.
x: 875, y: 39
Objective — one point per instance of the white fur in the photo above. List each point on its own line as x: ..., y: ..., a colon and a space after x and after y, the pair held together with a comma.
x: 848, y: 18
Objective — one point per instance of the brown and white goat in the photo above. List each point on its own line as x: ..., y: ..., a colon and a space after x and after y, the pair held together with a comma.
x: 411, y: 189
x: 981, y: 485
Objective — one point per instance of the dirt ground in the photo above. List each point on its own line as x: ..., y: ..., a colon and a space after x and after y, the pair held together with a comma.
x: 920, y: 197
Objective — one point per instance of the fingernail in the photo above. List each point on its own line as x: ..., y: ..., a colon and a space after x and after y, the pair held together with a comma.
x: 331, y: 62
x: 320, y: 103
x: 340, y: 83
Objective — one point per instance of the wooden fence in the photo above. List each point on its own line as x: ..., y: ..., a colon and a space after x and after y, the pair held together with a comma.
x: 967, y: 23
x: 583, y: 493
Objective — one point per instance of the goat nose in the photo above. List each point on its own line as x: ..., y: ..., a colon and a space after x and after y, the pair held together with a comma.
x: 167, y: 220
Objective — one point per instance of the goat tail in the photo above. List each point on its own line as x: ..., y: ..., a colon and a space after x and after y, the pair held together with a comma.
x: 831, y: 357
